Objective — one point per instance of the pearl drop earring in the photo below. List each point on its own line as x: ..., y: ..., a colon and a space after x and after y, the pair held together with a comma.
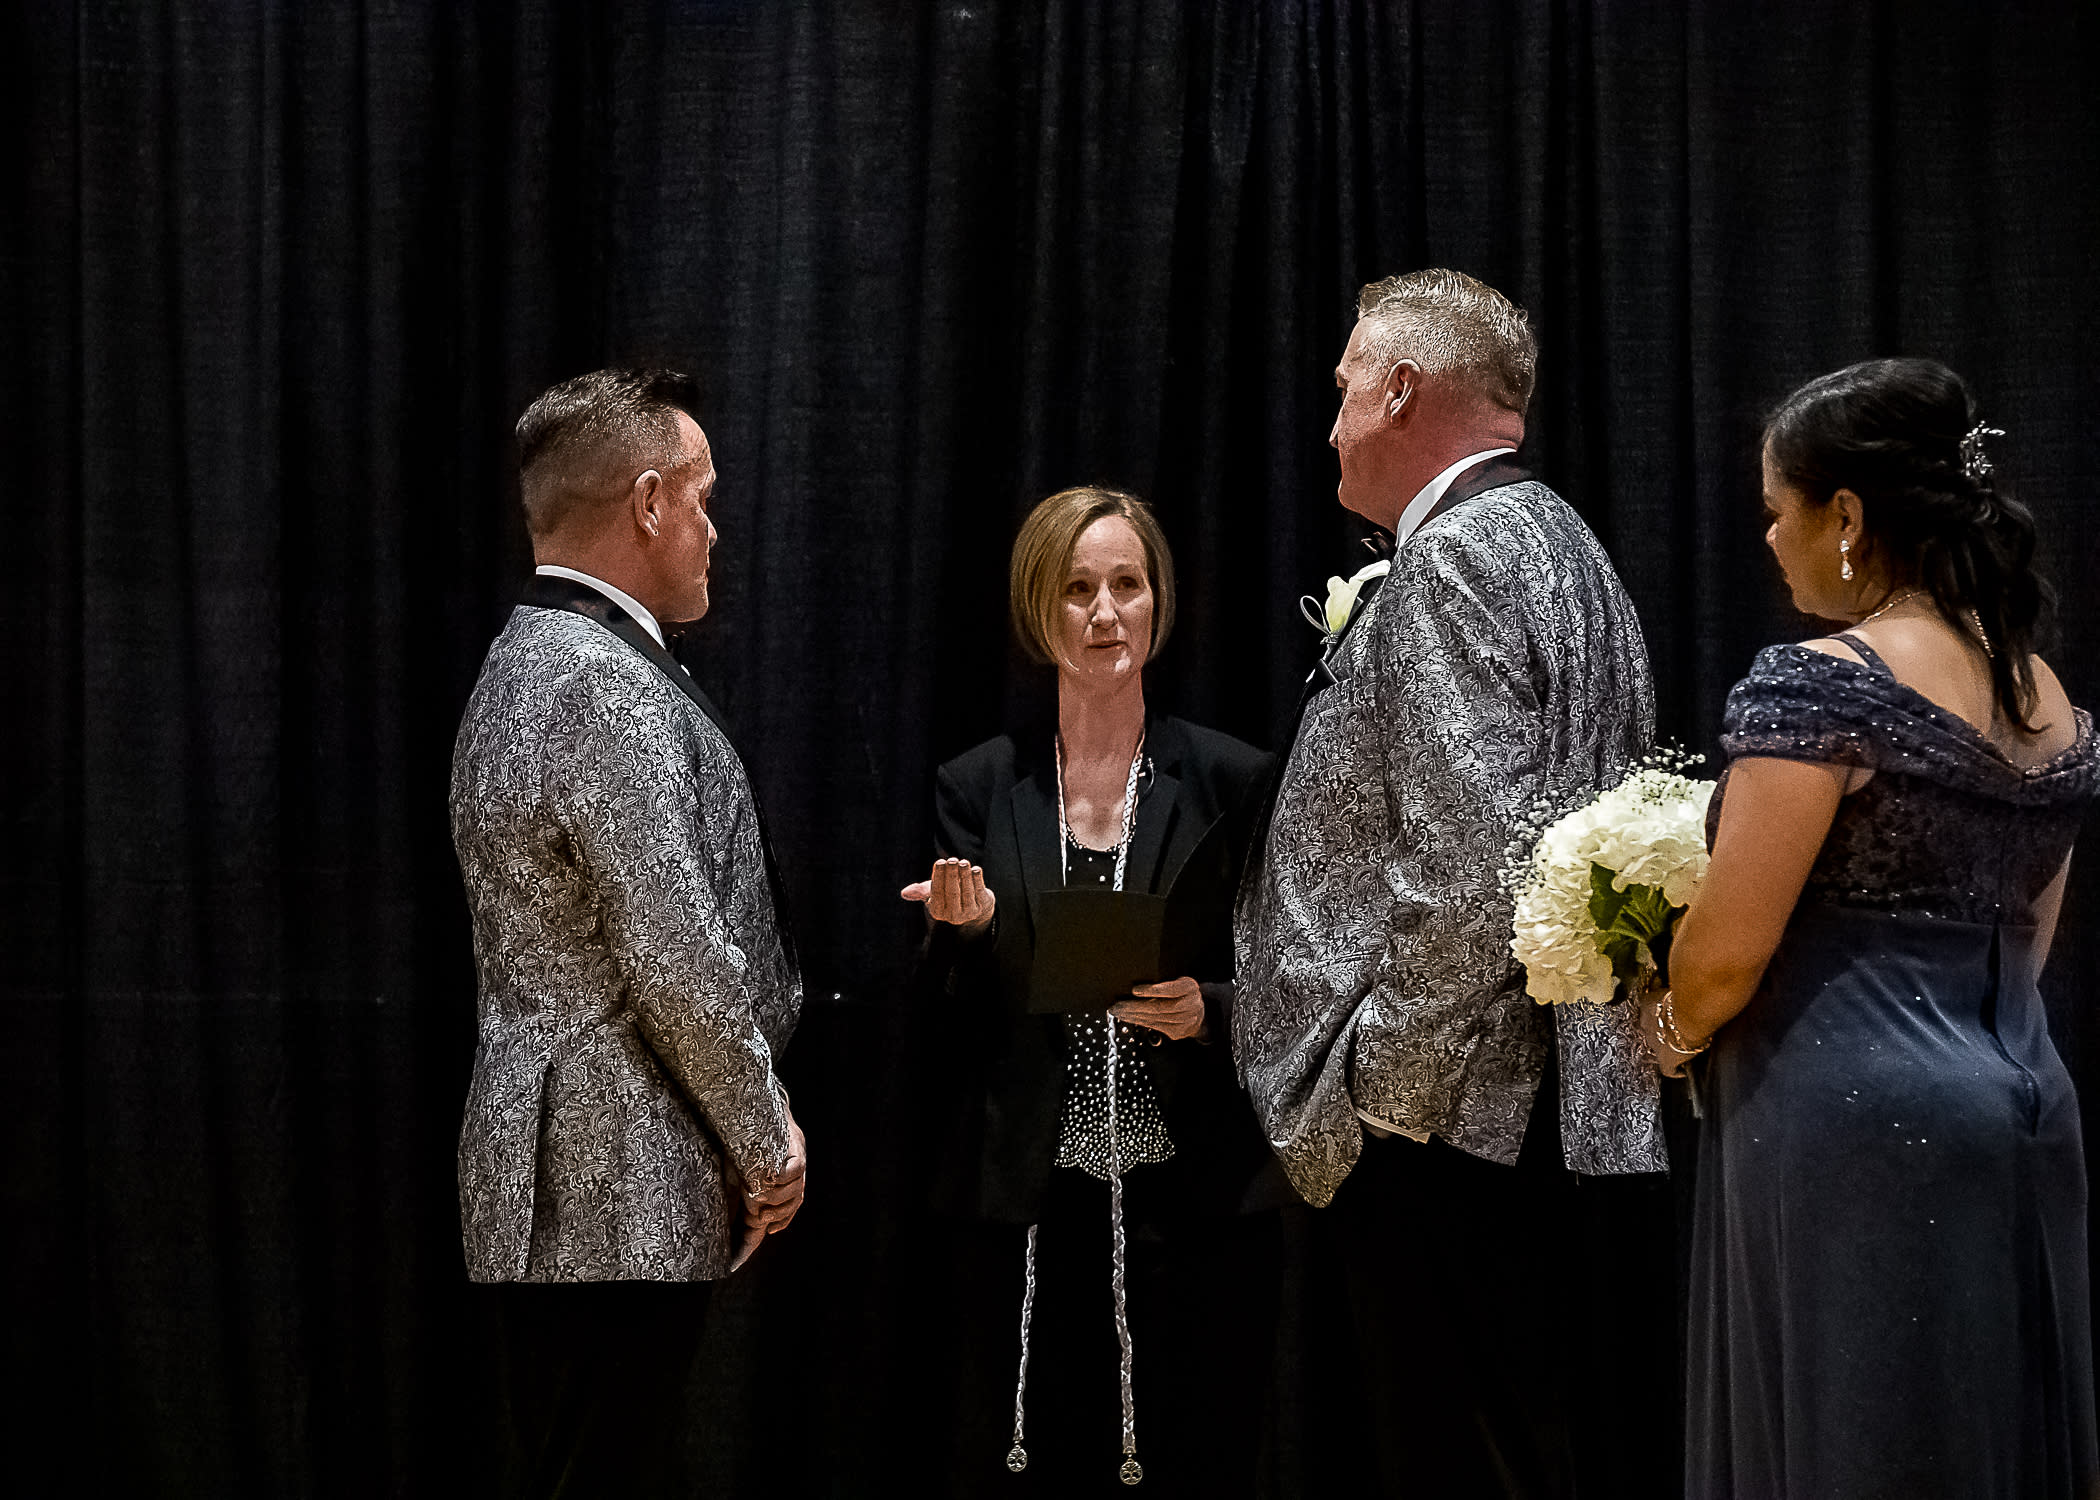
x: 1844, y: 559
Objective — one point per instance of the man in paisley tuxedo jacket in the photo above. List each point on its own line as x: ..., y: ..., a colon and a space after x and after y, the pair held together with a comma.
x: 1382, y: 1027
x: 626, y: 1139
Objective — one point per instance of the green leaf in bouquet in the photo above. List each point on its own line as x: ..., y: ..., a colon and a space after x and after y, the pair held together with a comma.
x: 1629, y: 922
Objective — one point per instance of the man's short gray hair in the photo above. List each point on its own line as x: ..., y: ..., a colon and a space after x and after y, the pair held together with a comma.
x: 1446, y: 321
x: 596, y: 429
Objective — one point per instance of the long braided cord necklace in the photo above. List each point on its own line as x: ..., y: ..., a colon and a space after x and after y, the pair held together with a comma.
x: 1131, y: 1471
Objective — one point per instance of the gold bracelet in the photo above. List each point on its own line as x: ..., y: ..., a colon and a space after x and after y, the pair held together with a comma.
x: 1666, y: 1027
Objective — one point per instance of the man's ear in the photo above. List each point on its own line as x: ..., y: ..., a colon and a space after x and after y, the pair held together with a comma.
x: 1400, y: 383
x: 647, y: 501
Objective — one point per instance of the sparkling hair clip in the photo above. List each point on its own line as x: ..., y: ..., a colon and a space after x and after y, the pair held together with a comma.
x: 1974, y: 461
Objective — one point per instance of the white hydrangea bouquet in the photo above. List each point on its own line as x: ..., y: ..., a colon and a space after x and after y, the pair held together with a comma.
x: 1599, y: 890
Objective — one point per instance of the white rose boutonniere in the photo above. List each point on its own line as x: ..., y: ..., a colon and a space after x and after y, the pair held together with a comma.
x: 1342, y: 592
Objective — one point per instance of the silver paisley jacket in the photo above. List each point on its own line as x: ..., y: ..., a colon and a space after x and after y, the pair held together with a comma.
x: 634, y: 985
x: 1499, y: 664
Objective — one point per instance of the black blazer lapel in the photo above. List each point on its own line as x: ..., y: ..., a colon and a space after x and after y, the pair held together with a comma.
x: 1160, y: 843
x: 1150, y: 840
x: 1159, y: 816
x: 1034, y: 804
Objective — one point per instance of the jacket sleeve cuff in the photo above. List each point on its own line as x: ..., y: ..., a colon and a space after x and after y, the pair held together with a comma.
x: 1217, y: 1012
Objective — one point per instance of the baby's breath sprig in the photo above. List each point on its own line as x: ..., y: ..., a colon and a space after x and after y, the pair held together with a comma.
x: 1521, y: 857
x: 1672, y: 759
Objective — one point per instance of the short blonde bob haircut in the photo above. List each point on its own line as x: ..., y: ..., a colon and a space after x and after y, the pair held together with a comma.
x: 1042, y: 563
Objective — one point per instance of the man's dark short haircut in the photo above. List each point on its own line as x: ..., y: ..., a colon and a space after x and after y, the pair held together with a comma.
x: 583, y: 434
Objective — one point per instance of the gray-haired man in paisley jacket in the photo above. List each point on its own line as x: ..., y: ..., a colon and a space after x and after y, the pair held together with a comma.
x: 1381, y: 1025
x: 625, y: 1139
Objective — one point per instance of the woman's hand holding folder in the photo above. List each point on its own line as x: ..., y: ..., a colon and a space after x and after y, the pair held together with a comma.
x: 1173, y: 1008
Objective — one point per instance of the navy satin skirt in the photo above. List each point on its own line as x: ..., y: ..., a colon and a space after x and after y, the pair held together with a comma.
x: 1889, y: 1278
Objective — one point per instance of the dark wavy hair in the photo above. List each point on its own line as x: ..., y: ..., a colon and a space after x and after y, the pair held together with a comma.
x: 1891, y: 431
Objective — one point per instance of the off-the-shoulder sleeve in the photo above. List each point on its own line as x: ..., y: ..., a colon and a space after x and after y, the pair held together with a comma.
x: 1801, y: 704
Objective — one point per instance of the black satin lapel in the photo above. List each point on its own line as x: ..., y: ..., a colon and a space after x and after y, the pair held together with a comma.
x: 548, y: 592
x: 1034, y: 801
x: 1190, y: 835
x: 1158, y: 817
x: 1491, y: 474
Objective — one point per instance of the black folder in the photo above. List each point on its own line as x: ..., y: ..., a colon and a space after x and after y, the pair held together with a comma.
x: 1093, y: 945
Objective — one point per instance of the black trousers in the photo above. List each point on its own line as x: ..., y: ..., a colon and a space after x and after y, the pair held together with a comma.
x: 1201, y: 1296
x: 592, y: 1386
x: 1511, y: 1329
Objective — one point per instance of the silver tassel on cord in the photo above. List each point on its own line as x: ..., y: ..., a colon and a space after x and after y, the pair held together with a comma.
x: 1017, y: 1456
x: 1131, y: 1471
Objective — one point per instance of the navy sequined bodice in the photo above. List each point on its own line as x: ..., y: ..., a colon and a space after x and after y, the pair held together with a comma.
x: 1947, y: 826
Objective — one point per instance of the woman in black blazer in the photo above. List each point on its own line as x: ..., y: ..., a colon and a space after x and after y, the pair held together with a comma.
x: 1135, y: 1261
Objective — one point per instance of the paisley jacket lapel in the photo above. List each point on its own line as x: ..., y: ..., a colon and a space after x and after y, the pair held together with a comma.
x: 549, y: 591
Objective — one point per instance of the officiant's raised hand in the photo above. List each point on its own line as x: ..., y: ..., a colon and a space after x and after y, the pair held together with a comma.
x: 956, y: 894
x: 1173, y: 1008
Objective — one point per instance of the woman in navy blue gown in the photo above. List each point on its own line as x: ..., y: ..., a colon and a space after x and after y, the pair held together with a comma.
x: 1889, y: 1269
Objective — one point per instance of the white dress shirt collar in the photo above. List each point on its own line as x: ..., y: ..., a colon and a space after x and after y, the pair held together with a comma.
x: 625, y: 600
x: 1425, y: 500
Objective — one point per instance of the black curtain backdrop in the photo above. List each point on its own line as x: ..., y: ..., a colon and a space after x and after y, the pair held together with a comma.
x: 277, y: 279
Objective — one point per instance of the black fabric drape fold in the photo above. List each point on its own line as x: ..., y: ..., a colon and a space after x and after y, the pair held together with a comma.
x: 275, y: 280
